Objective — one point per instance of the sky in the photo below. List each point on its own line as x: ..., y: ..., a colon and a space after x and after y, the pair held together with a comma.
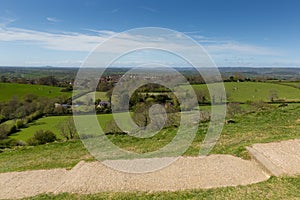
x: 235, y: 33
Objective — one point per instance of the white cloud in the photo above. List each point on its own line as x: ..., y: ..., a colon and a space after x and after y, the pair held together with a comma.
x: 53, y: 19
x: 55, y: 41
x: 72, y: 41
x: 224, y: 51
x: 64, y: 63
x: 229, y: 47
x: 4, y: 21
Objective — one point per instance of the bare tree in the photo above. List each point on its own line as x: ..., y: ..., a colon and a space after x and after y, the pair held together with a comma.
x: 67, y: 129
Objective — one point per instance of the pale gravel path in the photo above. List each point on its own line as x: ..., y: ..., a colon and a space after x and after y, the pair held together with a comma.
x: 284, y: 156
x: 30, y: 183
x: 279, y: 158
x: 185, y: 173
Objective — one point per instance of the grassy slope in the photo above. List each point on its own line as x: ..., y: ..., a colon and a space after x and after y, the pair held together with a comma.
x: 51, y: 123
x: 53, y: 155
x: 46, y: 123
x: 261, y: 127
x: 274, y: 188
x: 9, y: 90
x: 265, y: 126
x: 294, y: 84
x: 98, y: 95
x: 254, y: 91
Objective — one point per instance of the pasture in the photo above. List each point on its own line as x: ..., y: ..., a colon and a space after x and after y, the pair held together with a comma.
x: 255, y: 91
x: 93, y: 95
x: 51, y: 123
x: 10, y: 90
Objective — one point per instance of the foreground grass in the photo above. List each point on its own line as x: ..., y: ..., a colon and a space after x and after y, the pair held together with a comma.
x: 274, y: 188
x: 260, y: 127
x: 54, y: 155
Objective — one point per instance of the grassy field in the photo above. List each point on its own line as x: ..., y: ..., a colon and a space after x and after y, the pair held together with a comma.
x: 254, y: 91
x: 274, y: 188
x: 98, y: 95
x: 46, y: 123
x: 260, y: 127
x: 265, y: 126
x: 294, y: 84
x: 54, y: 155
x: 9, y: 90
x: 52, y: 123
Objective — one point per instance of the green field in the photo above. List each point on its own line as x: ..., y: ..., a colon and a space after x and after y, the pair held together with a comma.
x: 51, y: 123
x: 9, y: 90
x: 238, y: 91
x: 98, y: 95
x: 45, y: 123
x: 254, y: 91
x: 294, y: 84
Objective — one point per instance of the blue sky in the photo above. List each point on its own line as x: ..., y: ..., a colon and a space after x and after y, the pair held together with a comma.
x: 235, y: 33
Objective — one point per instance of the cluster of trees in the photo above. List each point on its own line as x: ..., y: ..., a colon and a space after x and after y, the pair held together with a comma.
x: 42, y: 137
x: 22, y: 111
x: 47, y: 80
x: 67, y: 131
x: 22, y: 108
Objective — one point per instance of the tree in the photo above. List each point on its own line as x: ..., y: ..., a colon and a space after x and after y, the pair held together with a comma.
x: 273, y: 95
x: 67, y: 129
x: 30, y: 97
x: 201, y: 95
x: 48, y: 80
x: 141, y: 114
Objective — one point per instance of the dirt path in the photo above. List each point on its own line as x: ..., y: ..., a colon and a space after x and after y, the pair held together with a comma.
x: 281, y: 158
x: 185, y: 173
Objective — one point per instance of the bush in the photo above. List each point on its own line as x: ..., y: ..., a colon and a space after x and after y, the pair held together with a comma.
x: 112, y: 128
x: 4, y: 131
x: 19, y: 124
x: 259, y: 105
x: 42, y: 137
x: 234, y: 109
x: 7, y: 143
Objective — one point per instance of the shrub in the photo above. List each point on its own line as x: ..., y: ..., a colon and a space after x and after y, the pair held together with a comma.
x: 112, y: 128
x: 234, y: 109
x: 42, y: 137
x: 7, y: 143
x: 259, y: 105
x: 4, y: 131
x: 19, y: 123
